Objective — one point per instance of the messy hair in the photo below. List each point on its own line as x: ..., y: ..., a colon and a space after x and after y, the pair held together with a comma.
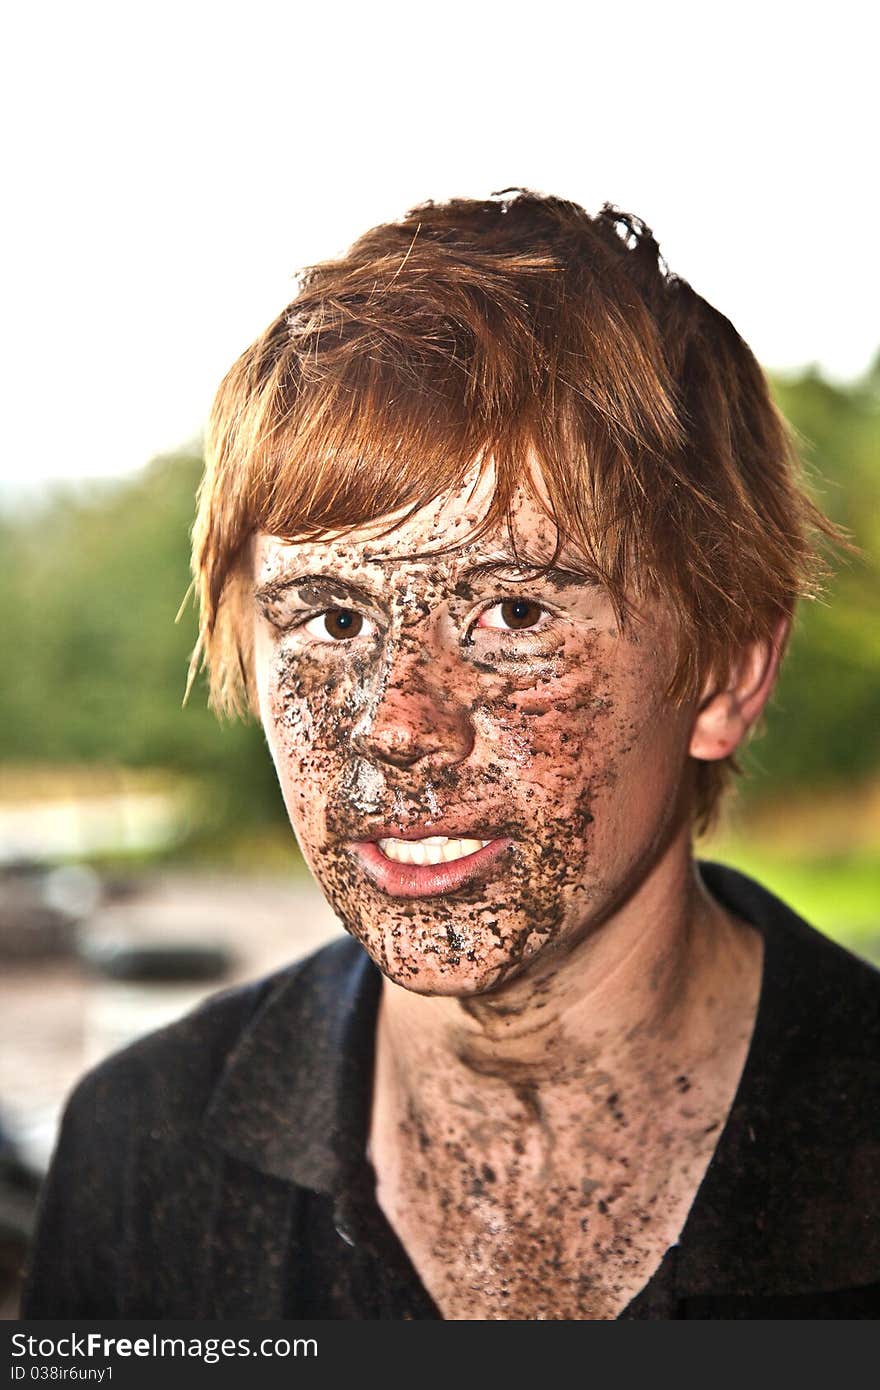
x: 516, y: 330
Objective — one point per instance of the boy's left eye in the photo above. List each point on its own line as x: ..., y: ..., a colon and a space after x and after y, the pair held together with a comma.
x: 511, y: 615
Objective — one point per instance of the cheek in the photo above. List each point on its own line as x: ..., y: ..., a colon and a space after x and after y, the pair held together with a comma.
x: 558, y: 731
x: 588, y: 741
x: 308, y: 711
x: 309, y: 703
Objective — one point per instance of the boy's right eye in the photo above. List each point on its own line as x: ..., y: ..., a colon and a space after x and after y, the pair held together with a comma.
x: 339, y: 624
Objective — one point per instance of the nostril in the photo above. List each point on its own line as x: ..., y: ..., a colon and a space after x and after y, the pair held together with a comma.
x: 402, y: 759
x: 406, y: 725
x: 402, y: 744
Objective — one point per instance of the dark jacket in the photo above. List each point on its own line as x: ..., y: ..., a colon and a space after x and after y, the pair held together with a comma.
x: 188, y: 1166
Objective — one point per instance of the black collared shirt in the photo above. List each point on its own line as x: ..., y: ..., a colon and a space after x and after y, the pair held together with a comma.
x: 218, y: 1167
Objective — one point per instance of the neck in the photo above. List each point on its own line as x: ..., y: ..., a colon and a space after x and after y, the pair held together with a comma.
x: 632, y: 1007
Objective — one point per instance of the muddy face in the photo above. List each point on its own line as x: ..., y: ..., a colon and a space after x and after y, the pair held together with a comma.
x: 453, y: 693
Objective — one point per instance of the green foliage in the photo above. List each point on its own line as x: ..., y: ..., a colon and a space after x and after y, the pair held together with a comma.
x: 95, y: 664
x: 823, y: 727
x: 838, y: 893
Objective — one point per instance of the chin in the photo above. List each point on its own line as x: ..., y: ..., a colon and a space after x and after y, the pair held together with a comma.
x: 448, y: 984
x: 425, y: 965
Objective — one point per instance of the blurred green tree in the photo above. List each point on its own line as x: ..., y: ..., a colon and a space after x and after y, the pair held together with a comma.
x: 823, y: 726
x: 95, y: 664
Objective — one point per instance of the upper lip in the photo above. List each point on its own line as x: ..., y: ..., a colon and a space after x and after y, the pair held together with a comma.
x: 476, y: 831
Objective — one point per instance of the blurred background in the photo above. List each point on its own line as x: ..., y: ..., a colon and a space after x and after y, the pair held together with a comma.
x: 169, y: 173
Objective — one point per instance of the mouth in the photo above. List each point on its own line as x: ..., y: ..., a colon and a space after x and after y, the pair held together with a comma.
x: 410, y: 867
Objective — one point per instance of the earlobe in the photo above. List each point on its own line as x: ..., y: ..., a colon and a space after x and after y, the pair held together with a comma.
x: 728, y: 711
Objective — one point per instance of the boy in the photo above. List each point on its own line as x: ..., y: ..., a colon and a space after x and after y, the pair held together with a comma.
x: 500, y: 536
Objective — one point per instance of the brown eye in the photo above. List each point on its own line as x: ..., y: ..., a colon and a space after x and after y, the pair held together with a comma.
x: 336, y: 625
x: 519, y: 612
x: 512, y: 614
x: 342, y: 622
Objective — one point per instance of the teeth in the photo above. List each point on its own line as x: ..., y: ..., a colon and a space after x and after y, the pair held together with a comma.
x: 434, y: 849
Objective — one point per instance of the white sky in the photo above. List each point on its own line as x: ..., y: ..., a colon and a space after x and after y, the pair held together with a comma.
x: 169, y: 166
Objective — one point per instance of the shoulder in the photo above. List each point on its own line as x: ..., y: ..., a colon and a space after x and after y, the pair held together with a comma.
x: 788, y: 1207
x: 172, y: 1072
x: 813, y: 1075
x: 139, y: 1193
x: 814, y: 1064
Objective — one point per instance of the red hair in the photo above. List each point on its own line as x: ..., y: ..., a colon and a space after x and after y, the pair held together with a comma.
x: 514, y: 329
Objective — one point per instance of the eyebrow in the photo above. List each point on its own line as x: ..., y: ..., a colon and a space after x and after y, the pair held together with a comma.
x: 501, y: 560
x: 276, y: 589
x: 554, y: 573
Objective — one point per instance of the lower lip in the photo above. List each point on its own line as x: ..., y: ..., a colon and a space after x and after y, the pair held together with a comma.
x: 426, y: 880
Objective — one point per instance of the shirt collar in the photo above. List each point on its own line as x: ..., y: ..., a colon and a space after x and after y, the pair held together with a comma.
x: 295, y: 1095
x: 778, y: 1210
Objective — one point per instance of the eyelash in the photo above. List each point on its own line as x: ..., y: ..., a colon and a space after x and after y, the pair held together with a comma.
x: 497, y: 603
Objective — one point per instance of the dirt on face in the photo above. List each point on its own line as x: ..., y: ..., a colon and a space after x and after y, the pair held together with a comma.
x: 426, y: 710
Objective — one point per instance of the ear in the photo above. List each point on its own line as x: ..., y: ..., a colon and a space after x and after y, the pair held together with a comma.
x: 728, y: 709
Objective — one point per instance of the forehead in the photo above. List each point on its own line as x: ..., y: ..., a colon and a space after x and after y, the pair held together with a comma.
x: 438, y: 535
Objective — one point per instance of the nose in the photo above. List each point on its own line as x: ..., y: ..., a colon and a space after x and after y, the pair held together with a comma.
x: 414, y: 719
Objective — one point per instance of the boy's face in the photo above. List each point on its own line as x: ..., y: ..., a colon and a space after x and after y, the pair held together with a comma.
x: 408, y: 693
